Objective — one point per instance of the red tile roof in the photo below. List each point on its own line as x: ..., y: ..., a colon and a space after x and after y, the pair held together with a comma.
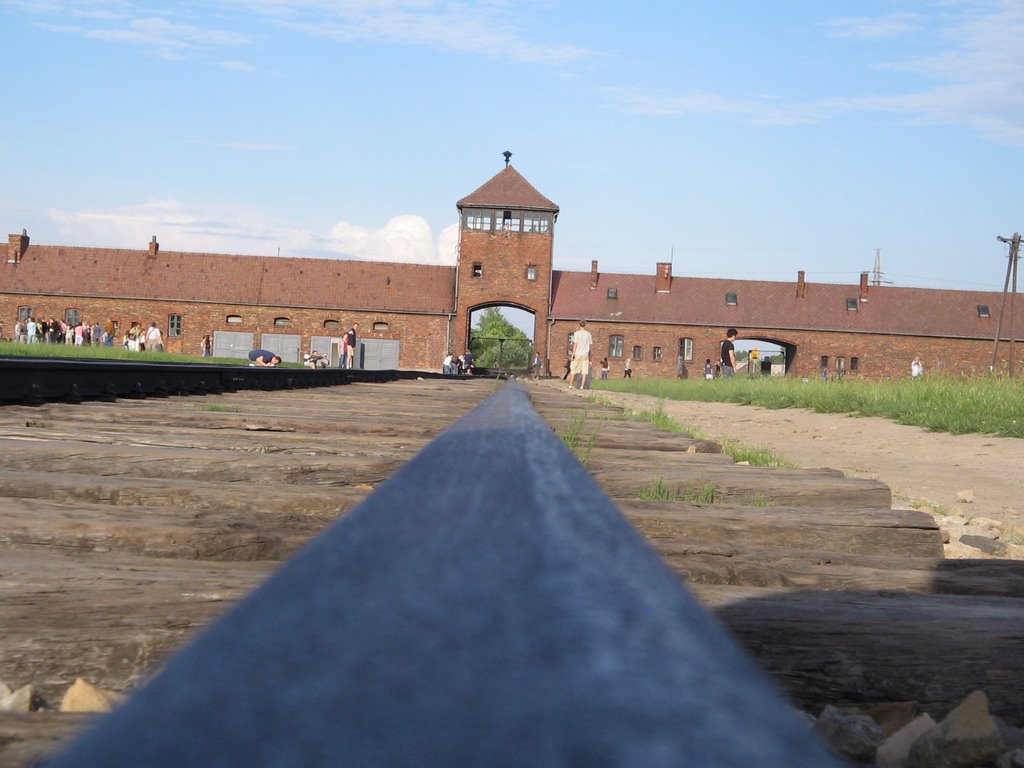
x: 763, y: 304
x: 266, y: 280
x: 508, y: 189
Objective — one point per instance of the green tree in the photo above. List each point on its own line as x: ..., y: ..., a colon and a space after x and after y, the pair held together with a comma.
x: 497, y: 343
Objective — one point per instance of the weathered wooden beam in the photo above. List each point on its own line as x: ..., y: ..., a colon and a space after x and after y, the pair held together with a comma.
x: 488, y: 605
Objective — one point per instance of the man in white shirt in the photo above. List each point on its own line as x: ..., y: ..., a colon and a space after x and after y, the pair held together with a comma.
x: 581, y: 343
x: 154, y: 339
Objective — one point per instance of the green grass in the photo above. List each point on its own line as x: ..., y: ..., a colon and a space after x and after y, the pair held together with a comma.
x: 12, y: 349
x: 697, y: 493
x: 759, y: 456
x: 576, y: 437
x: 987, y: 405
x: 659, y: 490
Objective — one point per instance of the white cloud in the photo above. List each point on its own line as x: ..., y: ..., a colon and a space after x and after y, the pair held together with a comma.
x: 406, y: 238
x: 755, y: 111
x: 238, y: 66
x: 493, y: 28
x: 976, y: 78
x: 868, y: 28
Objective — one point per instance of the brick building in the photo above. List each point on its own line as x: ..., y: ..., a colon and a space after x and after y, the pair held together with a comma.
x: 410, y: 315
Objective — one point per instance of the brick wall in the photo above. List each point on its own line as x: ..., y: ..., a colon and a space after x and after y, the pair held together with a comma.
x: 503, y: 259
x: 422, y: 337
x: 877, y: 356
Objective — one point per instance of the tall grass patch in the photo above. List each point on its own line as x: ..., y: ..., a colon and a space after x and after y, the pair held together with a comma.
x: 987, y: 405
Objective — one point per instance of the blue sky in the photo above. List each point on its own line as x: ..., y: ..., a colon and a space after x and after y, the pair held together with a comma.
x: 736, y: 138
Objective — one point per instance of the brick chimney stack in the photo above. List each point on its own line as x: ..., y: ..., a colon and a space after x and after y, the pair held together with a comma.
x: 593, y: 274
x: 663, y: 280
x: 801, y: 285
x: 863, y: 286
x: 154, y: 246
x: 16, y: 246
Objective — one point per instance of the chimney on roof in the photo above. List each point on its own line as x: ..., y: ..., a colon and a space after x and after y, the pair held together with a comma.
x: 801, y: 285
x: 154, y: 246
x: 593, y: 274
x: 863, y: 286
x: 663, y: 280
x: 16, y: 246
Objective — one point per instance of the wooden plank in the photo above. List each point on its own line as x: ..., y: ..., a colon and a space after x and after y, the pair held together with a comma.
x: 906, y: 533
x: 861, y: 647
x: 819, y: 488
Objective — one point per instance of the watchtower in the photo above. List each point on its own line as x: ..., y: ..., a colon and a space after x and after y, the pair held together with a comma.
x: 506, y: 243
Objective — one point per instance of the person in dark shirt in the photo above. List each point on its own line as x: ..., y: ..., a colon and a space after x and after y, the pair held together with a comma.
x: 350, y: 346
x: 263, y: 358
x: 729, y: 353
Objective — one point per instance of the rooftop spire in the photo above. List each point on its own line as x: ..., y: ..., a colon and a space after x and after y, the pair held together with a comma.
x: 508, y: 156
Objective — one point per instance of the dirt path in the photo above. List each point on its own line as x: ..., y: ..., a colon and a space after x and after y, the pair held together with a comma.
x: 920, y: 467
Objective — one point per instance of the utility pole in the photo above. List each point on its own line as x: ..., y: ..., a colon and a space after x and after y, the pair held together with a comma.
x: 1011, y: 276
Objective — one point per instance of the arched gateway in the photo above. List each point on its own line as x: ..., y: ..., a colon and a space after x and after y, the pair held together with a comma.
x: 506, y: 246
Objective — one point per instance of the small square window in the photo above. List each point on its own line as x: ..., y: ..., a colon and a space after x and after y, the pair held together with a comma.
x: 613, y: 293
x: 731, y: 300
x: 638, y: 352
x: 282, y: 322
x: 174, y: 326
x: 531, y: 272
x: 656, y: 353
x: 983, y: 311
x: 478, y: 270
x: 380, y: 326
x: 851, y: 305
x: 854, y: 364
x: 233, y: 319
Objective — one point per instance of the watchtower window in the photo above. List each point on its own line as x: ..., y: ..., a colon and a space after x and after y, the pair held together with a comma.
x: 510, y: 222
x: 477, y: 218
x: 536, y: 221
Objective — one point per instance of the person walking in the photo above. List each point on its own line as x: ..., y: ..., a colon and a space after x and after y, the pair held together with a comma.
x: 729, y: 353
x: 582, y: 340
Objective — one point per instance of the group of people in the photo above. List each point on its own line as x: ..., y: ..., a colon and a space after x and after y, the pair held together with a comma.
x: 457, y: 366
x: 54, y: 331
x: 264, y: 358
x: 578, y: 364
